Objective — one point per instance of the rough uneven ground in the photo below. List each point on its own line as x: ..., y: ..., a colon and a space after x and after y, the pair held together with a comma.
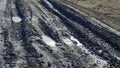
x: 52, y: 34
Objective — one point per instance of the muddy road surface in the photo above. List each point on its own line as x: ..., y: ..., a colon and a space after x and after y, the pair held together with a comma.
x: 52, y: 34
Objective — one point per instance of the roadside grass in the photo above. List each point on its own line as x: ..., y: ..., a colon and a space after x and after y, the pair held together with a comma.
x: 29, y: 25
x: 108, y: 7
x: 105, y: 10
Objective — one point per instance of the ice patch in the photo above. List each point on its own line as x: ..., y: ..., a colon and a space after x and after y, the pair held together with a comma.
x: 71, y: 40
x: 48, y: 41
x: 100, y: 51
x: 49, y: 4
x: 16, y: 19
x: 67, y: 41
x: 101, y: 63
x: 74, y: 39
x: 117, y: 57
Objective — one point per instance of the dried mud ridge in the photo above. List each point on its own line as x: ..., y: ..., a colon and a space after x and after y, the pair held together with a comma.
x: 53, y: 35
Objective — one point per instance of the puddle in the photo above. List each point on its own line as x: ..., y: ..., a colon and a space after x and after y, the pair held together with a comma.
x: 49, y: 41
x: 16, y: 19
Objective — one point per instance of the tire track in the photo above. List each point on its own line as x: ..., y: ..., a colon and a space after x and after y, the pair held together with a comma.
x: 83, y: 37
x: 67, y: 48
x: 32, y: 56
x: 106, y: 35
x: 9, y: 56
x: 53, y: 35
